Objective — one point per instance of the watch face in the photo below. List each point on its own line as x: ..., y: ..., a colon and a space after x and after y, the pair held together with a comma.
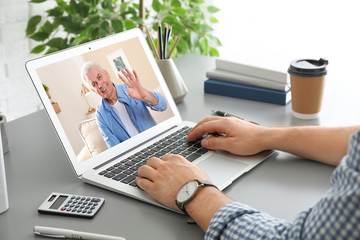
x: 187, y: 191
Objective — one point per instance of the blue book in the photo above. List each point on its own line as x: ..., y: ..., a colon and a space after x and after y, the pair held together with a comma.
x: 247, y: 92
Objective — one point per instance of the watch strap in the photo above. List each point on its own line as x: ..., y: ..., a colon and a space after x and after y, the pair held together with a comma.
x: 201, y: 183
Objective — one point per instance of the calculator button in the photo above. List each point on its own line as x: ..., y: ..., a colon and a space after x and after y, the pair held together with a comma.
x: 95, y: 204
x: 63, y: 208
x: 84, y: 211
x: 95, y: 200
x: 77, y: 198
x: 68, y: 210
x: 92, y: 208
x: 89, y: 212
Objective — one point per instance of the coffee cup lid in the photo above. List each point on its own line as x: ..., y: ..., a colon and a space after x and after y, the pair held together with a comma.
x: 308, y: 67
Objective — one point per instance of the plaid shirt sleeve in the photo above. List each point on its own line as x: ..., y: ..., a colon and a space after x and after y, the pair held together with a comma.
x: 335, y: 216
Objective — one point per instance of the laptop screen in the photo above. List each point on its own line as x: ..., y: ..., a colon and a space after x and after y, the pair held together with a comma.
x: 95, y: 106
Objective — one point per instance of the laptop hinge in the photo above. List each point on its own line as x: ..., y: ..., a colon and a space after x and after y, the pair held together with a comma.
x: 131, y: 149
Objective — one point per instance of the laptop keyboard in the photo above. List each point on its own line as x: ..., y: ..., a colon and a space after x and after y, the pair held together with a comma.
x: 125, y: 171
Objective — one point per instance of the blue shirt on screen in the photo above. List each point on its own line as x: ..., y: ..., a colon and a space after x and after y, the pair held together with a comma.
x: 111, y: 127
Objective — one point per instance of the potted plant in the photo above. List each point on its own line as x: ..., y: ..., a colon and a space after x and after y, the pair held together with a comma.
x: 73, y: 22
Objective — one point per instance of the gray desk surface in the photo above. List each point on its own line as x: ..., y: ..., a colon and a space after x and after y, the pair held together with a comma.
x: 282, y: 186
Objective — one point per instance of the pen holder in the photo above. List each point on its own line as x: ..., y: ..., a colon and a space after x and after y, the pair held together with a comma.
x: 3, y: 135
x: 173, y: 79
x: 4, y: 202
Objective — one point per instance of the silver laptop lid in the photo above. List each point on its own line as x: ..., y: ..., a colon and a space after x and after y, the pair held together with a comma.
x: 61, y: 73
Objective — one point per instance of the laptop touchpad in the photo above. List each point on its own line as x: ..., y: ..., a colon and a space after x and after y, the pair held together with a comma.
x: 222, y: 170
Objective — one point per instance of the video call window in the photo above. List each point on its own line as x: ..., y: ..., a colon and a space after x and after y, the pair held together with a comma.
x: 75, y: 99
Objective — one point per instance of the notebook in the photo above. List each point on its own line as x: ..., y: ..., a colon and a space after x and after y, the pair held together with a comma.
x: 71, y: 109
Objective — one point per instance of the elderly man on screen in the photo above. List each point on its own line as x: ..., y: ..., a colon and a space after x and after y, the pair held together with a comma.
x: 123, y: 111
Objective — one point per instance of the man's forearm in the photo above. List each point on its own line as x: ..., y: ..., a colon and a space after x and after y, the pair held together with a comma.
x: 205, y: 204
x: 323, y: 144
x: 150, y: 98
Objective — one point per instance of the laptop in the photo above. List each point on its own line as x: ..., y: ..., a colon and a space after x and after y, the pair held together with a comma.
x: 71, y: 109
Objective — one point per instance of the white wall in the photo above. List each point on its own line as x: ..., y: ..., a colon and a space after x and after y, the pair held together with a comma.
x: 15, y: 86
x: 264, y: 30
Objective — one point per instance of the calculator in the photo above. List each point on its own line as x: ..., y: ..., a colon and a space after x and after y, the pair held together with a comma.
x: 71, y: 205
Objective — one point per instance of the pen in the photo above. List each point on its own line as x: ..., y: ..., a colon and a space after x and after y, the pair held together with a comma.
x: 160, y: 41
x: 71, y: 234
x: 224, y: 114
x: 165, y: 39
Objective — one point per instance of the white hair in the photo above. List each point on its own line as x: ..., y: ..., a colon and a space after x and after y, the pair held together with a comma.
x: 86, y: 68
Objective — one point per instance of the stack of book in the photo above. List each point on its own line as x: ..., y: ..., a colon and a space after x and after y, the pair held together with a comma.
x: 239, y: 80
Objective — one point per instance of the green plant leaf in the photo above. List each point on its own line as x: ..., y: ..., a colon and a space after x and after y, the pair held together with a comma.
x: 124, y: 7
x: 55, y: 12
x: 204, y: 45
x: 107, y: 4
x: 55, y: 43
x: 157, y: 6
x: 51, y: 50
x: 212, y: 9
x: 46, y: 27
x: 39, y: 36
x: 104, y: 29
x: 213, y: 19
x: 38, y: 49
x: 136, y: 19
x: 214, y: 52
x: 213, y: 40
x: 94, y: 33
x: 70, y: 24
x: 117, y: 25
x: 129, y: 24
x: 62, y: 4
x: 179, y: 11
x: 175, y: 3
x: 83, y: 9
x: 32, y: 24
x: 170, y: 19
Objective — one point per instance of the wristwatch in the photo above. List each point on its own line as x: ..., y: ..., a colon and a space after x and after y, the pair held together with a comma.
x: 188, y: 191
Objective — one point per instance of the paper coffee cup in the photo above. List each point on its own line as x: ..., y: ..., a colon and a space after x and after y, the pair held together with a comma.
x: 307, y: 79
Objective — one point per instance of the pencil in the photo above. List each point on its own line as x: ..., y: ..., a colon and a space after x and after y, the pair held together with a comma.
x: 160, y: 41
x: 151, y: 40
x: 173, y: 47
x: 165, y: 39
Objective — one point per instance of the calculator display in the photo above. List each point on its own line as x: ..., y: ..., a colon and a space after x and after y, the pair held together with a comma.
x: 58, y: 202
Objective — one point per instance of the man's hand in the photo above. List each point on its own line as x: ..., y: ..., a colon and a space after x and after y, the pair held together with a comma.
x: 162, y: 178
x: 136, y: 90
x: 237, y: 136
